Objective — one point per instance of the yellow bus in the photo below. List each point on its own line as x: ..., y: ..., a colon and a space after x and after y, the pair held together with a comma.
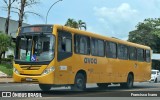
x: 56, y: 55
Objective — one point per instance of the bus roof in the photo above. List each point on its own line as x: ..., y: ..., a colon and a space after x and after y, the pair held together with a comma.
x: 100, y: 36
x: 95, y: 35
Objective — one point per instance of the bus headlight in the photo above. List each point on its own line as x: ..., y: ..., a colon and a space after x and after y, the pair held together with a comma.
x: 15, y: 70
x: 48, y: 70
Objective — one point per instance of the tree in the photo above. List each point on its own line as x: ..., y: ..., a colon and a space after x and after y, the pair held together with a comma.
x: 21, y: 9
x: 5, y: 43
x: 147, y: 33
x: 8, y: 6
x: 71, y: 23
x: 76, y: 24
x: 81, y: 24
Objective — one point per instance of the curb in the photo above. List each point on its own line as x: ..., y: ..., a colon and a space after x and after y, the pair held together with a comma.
x: 6, y: 77
x: 5, y: 80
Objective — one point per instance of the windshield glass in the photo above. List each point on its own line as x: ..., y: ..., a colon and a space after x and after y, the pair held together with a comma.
x: 35, y: 48
x: 153, y: 72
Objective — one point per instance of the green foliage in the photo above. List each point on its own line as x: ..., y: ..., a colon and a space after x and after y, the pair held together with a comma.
x: 5, y: 43
x: 6, y: 60
x: 71, y: 23
x: 147, y: 33
x: 10, y: 56
x: 82, y: 24
x: 76, y: 24
x: 7, y: 68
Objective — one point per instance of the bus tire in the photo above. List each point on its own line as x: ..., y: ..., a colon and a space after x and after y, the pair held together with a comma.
x: 155, y: 80
x: 79, y: 83
x: 45, y: 87
x: 102, y: 85
x: 123, y: 85
x: 129, y: 83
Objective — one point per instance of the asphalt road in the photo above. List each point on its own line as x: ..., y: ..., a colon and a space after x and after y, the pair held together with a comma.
x: 92, y: 92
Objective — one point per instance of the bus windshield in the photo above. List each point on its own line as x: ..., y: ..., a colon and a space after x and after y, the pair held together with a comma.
x: 37, y: 47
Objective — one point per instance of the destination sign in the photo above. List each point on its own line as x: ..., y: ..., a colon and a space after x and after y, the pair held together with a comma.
x: 42, y: 28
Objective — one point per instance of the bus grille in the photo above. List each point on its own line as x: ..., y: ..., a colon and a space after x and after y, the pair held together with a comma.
x: 31, y: 74
x: 30, y: 67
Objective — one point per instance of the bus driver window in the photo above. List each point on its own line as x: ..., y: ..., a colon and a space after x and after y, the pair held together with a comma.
x: 64, y: 44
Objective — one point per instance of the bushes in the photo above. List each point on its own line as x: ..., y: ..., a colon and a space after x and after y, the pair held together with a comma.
x: 5, y: 44
x: 9, y: 59
x: 6, y: 65
x: 10, y: 56
x: 7, y: 68
x: 6, y: 60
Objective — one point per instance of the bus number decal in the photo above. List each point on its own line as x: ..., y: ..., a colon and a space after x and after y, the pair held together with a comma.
x: 90, y: 60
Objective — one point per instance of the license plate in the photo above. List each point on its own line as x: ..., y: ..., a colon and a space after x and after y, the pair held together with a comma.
x: 28, y: 79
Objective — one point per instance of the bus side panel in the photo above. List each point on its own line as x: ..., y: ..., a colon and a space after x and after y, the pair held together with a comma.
x: 120, y: 70
x: 135, y: 71
x: 86, y: 63
x: 144, y: 71
x: 148, y: 70
x: 99, y: 72
x: 68, y: 68
x: 63, y: 74
x: 105, y: 70
x: 110, y: 71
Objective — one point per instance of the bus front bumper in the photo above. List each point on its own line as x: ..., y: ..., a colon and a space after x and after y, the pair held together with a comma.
x: 41, y: 79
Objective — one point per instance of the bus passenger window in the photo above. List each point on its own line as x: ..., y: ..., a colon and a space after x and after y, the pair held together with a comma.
x: 60, y: 44
x: 94, y: 47
x: 111, y: 50
x: 148, y: 57
x: 122, y: 51
x: 97, y: 47
x: 132, y: 53
x: 82, y: 44
x: 140, y: 54
x: 68, y: 45
x: 64, y: 44
x: 100, y: 48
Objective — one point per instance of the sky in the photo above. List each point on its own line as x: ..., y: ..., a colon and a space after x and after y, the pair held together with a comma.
x: 113, y: 18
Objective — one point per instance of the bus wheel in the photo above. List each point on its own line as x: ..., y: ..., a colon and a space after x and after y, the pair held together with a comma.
x: 129, y: 83
x: 102, y: 85
x: 79, y: 83
x: 155, y: 80
x: 45, y: 87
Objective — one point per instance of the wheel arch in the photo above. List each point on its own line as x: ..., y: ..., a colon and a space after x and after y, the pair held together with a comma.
x: 131, y: 73
x: 82, y: 72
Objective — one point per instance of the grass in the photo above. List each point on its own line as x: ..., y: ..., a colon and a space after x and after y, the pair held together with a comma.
x: 6, y: 68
